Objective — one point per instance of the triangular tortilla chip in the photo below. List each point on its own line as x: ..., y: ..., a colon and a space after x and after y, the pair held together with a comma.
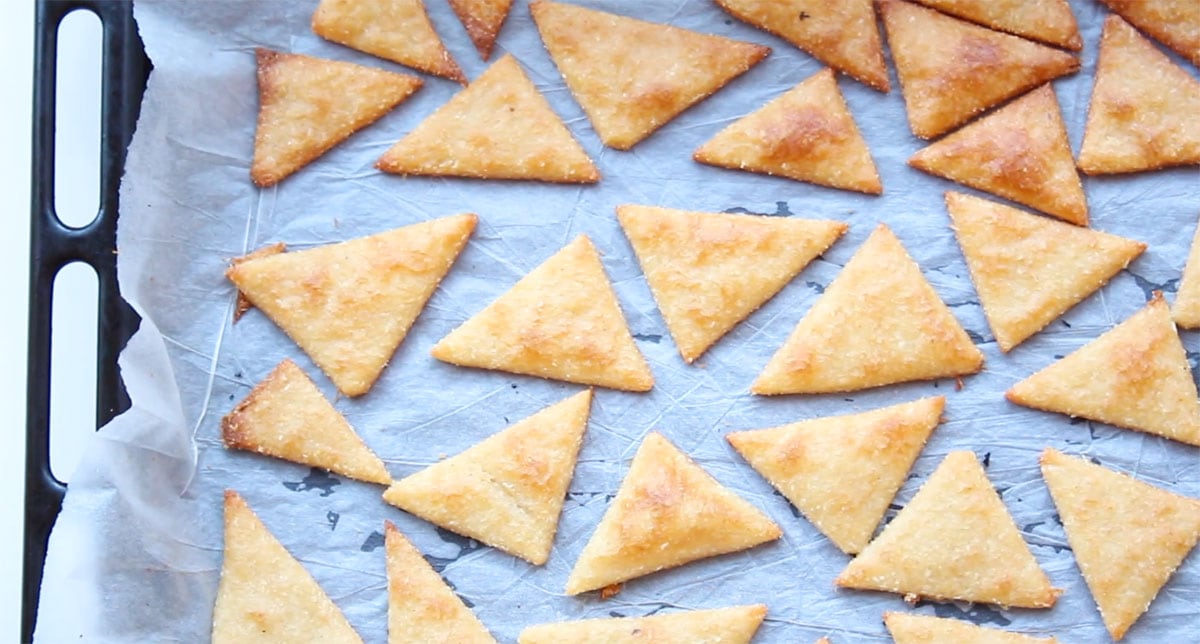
x: 631, y: 77
x: 925, y: 629
x: 1186, y: 310
x: 954, y: 540
x: 397, y: 30
x: 243, y: 304
x: 1019, y: 152
x: 499, y: 127
x: 308, y: 105
x: 708, y: 271
x: 421, y: 607
x: 1143, y: 110
x: 482, y: 20
x: 508, y: 490
x: 840, y: 34
x: 265, y: 595
x: 286, y: 416
x: 1048, y: 21
x: 667, y: 512
x: 878, y: 323
x: 349, y: 305
x: 1174, y: 24
x: 1134, y: 376
x: 561, y: 321
x: 842, y: 472
x: 806, y: 134
x: 1128, y: 536
x: 1028, y: 270
x: 951, y: 70
x: 733, y: 625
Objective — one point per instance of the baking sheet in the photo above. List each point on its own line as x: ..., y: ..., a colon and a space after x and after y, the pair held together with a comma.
x: 136, y: 553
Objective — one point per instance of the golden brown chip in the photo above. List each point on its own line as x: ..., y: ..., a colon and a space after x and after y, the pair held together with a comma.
x: 667, y: 512
x: 878, y: 323
x: 951, y: 70
x: 398, y: 30
x: 286, y: 416
x: 954, y: 540
x: 1029, y: 270
x: 499, y: 127
x: 733, y: 625
x: 839, y: 33
x: 349, y: 305
x: 1186, y: 310
x: 1048, y: 21
x: 925, y: 629
x: 1134, y: 376
x: 508, y: 490
x: 1128, y: 536
x: 482, y: 20
x: 708, y: 271
x: 1174, y: 23
x: 1143, y: 110
x: 308, y: 105
x: 243, y: 304
x: 842, y: 472
x: 631, y: 77
x: 265, y: 595
x: 805, y: 134
x: 561, y: 321
x: 1019, y: 152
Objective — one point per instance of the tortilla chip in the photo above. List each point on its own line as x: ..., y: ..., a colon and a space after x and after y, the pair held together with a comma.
x: 350, y: 304
x: 499, y: 127
x: 561, y: 321
x: 1048, y: 21
x: 1174, y: 24
x: 1029, y: 270
x: 1019, y: 152
x: 508, y: 490
x: 878, y: 323
x: 243, y: 304
x: 632, y: 77
x: 823, y: 640
x: 482, y: 20
x: 308, y: 105
x: 840, y: 34
x: 397, y: 30
x: 1143, y: 110
x: 1128, y: 536
x: 951, y: 70
x: 421, y: 607
x: 667, y: 512
x: 806, y: 134
x: 265, y: 595
x: 925, y: 629
x: 286, y: 416
x: 709, y: 271
x: 733, y: 625
x: 842, y: 472
x: 1186, y: 310
x: 954, y: 540
x: 1134, y: 376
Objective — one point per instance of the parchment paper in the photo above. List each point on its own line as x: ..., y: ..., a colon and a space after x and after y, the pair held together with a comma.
x: 136, y: 553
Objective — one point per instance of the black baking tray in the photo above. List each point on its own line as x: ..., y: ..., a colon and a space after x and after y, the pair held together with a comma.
x: 53, y: 245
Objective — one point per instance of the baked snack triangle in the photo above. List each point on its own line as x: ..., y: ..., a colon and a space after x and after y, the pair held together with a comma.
x: 265, y: 595
x: 499, y: 127
x: 631, y: 77
x: 1174, y: 24
x: 1019, y: 152
x: 350, y: 304
x: 1134, y: 376
x: 708, y: 271
x: 307, y: 105
x: 733, y: 625
x: 508, y: 490
x: 287, y: 417
x: 1142, y: 114
x: 925, y: 629
x: 878, y: 323
x: 1029, y: 270
x: 1128, y: 536
x: 842, y: 472
x: 953, y: 541
x: 482, y: 20
x: 421, y: 607
x: 397, y: 30
x: 841, y: 34
x: 951, y: 70
x: 1186, y: 309
x: 561, y: 321
x: 1048, y: 21
x: 807, y: 134
x: 667, y: 512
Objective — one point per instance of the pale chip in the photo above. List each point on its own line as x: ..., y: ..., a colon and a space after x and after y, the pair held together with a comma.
x: 397, y: 30
x: 1174, y: 23
x: 733, y: 625
x: 1186, y: 309
x: 482, y: 19
x: 1048, y: 21
x: 924, y: 629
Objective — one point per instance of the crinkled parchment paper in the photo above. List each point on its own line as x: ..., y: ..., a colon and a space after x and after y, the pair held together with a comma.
x: 136, y: 553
